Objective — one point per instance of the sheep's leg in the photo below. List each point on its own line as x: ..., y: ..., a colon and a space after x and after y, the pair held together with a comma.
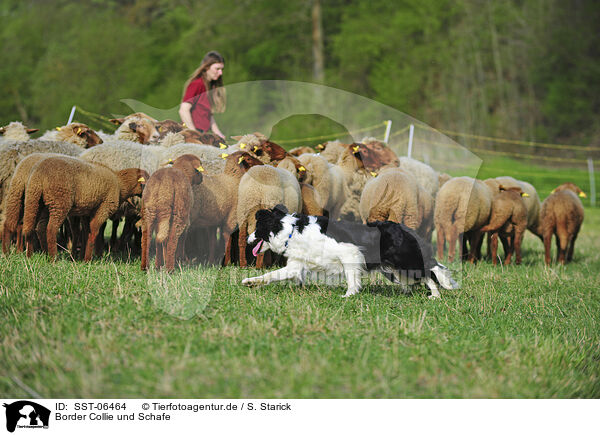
x: 99, y: 248
x: 6, y: 239
x: 101, y: 215
x: 57, y: 217
x: 435, y: 293
x: 453, y: 236
x: 475, y: 243
x: 228, y: 247
x: 158, y: 259
x: 293, y: 270
x: 572, y: 246
x: 180, y: 252
x: 260, y: 260
x: 494, y: 248
x: 440, y: 241
x: 147, y: 226
x: 212, y: 245
x: 509, y: 247
x: 242, y: 242
x: 547, y: 238
x: 171, y: 246
x: 517, y: 241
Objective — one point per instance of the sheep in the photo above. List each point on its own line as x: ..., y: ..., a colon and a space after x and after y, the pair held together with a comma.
x: 332, y: 150
x: 120, y: 154
x: 442, y: 178
x: 328, y: 181
x: 247, y: 142
x: 394, y: 195
x: 462, y: 207
x: 562, y: 215
x: 216, y: 198
x: 355, y: 177
x: 165, y: 127
x: 426, y: 176
x: 213, y: 159
x: 12, y: 153
x: 376, y: 154
x: 298, y: 151
x: 13, y: 203
x: 15, y: 132
x: 166, y: 203
x: 137, y: 127
x: 508, y: 219
x: 83, y: 189
x: 311, y: 203
x: 532, y: 202
x: 76, y: 132
x: 264, y: 187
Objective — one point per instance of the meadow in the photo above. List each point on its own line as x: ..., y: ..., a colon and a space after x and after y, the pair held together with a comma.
x: 106, y: 329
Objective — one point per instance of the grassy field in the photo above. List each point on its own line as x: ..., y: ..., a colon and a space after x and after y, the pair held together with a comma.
x: 106, y: 329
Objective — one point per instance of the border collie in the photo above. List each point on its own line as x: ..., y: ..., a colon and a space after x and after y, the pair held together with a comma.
x: 313, y: 244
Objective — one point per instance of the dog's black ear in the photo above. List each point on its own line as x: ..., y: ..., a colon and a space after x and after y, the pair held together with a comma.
x: 280, y: 209
x: 263, y: 214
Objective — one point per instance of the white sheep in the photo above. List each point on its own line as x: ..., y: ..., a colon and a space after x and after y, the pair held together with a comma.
x: 15, y: 132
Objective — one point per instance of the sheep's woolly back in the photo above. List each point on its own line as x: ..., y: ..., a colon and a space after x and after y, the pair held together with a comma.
x: 119, y: 154
x: 211, y: 157
x: 426, y: 176
x: 264, y: 186
x: 393, y: 195
x: 532, y: 201
x: 14, y: 132
x: 171, y: 139
x: 462, y: 203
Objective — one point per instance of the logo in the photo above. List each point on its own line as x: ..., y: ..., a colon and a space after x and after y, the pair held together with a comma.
x: 26, y: 414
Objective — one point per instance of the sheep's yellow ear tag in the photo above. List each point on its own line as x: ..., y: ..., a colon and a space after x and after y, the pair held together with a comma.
x: 374, y: 174
x: 224, y: 156
x: 78, y: 130
x: 524, y: 194
x: 183, y: 123
x: 200, y: 169
x: 582, y: 195
x: 222, y: 146
x: 554, y: 190
x: 320, y: 146
x: 302, y: 169
x: 242, y: 145
x: 240, y: 159
x: 160, y: 129
x: 141, y: 180
x: 255, y: 149
x: 58, y: 129
x: 170, y: 162
x: 355, y: 149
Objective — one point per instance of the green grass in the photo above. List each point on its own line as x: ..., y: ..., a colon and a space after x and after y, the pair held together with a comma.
x: 105, y: 329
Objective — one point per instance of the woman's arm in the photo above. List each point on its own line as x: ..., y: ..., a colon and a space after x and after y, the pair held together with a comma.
x: 215, y: 128
x: 186, y: 115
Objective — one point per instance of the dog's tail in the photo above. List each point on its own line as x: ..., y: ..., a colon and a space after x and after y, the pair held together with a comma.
x: 444, y: 277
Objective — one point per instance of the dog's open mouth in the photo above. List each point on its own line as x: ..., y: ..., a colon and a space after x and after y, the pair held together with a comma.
x: 257, y: 248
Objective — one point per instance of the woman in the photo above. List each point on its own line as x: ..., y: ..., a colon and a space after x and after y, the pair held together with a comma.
x: 198, y: 105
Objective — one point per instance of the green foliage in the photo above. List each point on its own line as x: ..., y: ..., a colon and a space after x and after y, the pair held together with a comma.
x: 515, y: 69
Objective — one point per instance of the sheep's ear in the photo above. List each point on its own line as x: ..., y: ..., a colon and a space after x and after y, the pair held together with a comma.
x: 79, y: 131
x: 117, y: 121
x: 501, y: 187
x: 582, y: 194
x: 320, y: 147
x: 32, y: 130
x: 236, y: 137
x: 553, y: 190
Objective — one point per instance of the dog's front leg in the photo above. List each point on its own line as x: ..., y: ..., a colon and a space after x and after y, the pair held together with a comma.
x: 435, y: 294
x: 291, y: 271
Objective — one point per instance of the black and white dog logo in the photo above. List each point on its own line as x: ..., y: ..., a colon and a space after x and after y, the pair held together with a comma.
x: 26, y: 414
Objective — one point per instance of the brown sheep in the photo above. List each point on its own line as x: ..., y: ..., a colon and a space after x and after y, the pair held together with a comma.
x: 462, y: 207
x: 216, y: 199
x: 298, y: 151
x: 82, y: 189
x: 167, y: 126
x: 166, y: 204
x: 137, y: 127
x: 76, y: 133
x: 13, y: 203
x: 562, y: 215
x: 508, y: 219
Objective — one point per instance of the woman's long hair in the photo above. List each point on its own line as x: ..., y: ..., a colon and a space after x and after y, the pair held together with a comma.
x: 215, y: 89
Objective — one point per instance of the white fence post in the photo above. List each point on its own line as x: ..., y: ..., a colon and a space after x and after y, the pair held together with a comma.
x: 411, y: 133
x: 388, y: 128
x: 592, y: 182
x: 71, y: 115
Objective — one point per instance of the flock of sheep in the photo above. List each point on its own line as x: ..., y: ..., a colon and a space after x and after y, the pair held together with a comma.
x: 160, y: 177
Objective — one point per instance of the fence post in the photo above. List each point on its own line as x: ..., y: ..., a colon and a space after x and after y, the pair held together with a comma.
x: 71, y: 115
x: 411, y: 133
x: 387, y: 130
x: 592, y: 182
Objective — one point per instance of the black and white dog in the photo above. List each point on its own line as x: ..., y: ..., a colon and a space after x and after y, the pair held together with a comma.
x: 313, y: 244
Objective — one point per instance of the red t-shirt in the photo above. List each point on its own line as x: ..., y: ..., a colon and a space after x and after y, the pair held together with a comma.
x: 196, y: 95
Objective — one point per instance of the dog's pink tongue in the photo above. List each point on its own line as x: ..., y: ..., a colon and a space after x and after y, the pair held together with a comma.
x: 257, y: 248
